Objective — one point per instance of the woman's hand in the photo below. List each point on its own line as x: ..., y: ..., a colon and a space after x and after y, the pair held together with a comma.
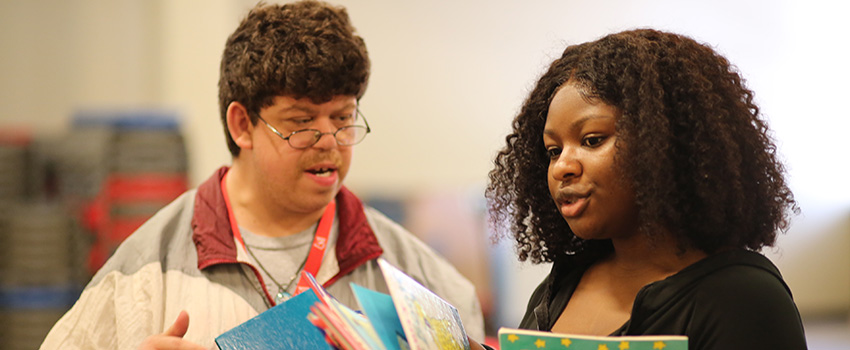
x: 474, y: 345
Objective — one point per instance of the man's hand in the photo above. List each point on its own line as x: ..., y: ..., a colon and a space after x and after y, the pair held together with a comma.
x: 172, y: 338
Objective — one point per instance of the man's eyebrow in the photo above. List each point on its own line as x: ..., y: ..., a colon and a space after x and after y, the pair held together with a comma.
x: 347, y: 106
x: 297, y: 108
x: 308, y: 109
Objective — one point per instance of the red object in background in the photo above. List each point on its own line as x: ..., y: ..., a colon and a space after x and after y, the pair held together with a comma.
x: 492, y: 342
x: 126, y: 190
x: 95, y: 213
x: 145, y: 187
x: 15, y: 136
x: 98, y: 254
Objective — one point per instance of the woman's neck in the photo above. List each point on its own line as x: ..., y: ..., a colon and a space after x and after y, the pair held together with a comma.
x: 659, y: 255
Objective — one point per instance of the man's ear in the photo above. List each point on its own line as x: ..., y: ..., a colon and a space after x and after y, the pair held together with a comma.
x: 239, y: 125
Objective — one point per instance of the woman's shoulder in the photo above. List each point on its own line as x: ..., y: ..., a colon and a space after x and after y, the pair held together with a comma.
x: 740, y: 296
x: 742, y: 271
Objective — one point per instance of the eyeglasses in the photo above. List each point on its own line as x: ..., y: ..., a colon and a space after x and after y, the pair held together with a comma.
x: 345, y: 136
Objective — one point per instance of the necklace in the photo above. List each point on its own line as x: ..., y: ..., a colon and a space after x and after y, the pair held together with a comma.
x: 282, y: 292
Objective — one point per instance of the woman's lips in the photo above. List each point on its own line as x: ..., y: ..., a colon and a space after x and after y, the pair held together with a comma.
x: 573, y: 207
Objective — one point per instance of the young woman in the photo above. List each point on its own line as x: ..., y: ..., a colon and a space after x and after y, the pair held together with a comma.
x: 641, y: 168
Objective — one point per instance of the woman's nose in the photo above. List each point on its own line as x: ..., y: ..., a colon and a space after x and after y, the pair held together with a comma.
x: 566, y: 166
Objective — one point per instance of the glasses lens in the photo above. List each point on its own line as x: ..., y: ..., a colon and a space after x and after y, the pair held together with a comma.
x: 350, y: 135
x: 303, y: 138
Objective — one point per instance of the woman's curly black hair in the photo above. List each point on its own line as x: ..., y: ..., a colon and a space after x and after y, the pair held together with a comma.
x: 301, y: 49
x: 698, y: 154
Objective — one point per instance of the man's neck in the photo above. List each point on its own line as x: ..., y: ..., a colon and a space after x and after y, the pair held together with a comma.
x: 256, y: 211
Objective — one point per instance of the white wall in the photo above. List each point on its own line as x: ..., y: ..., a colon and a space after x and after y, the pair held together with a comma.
x: 447, y: 78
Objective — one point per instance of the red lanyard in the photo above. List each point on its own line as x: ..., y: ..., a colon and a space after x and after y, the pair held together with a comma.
x: 317, y: 250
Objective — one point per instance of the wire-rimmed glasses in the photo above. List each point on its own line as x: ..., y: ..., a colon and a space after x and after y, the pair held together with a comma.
x: 345, y: 136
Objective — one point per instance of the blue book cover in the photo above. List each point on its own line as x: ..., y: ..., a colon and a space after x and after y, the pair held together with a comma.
x: 284, y: 326
x: 380, y: 310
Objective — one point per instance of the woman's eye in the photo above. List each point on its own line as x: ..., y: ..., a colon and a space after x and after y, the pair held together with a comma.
x: 592, y: 141
x: 553, y: 152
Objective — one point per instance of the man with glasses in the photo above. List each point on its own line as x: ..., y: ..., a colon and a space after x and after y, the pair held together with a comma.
x: 291, y: 80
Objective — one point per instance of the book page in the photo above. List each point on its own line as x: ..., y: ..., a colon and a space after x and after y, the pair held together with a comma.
x: 428, y: 321
x: 380, y: 311
x: 353, y: 326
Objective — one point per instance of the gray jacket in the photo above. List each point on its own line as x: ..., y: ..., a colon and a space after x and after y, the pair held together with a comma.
x: 186, y: 258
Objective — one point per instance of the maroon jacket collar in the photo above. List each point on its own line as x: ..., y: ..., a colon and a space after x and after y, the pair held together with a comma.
x: 213, y: 237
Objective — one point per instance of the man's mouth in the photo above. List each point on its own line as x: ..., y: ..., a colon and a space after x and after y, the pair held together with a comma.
x: 324, y: 172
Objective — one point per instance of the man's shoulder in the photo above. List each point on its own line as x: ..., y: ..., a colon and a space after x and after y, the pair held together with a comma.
x: 418, y: 260
x: 395, y: 240
x: 173, y: 220
x: 164, y: 236
x: 405, y: 250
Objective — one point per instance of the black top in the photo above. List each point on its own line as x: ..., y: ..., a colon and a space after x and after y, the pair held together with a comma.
x: 731, y: 300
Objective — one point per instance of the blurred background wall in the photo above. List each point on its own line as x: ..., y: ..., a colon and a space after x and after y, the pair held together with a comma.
x: 448, y: 76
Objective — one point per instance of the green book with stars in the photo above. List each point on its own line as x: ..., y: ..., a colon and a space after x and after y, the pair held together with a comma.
x: 523, y: 339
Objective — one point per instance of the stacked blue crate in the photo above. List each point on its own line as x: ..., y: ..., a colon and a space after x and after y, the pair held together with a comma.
x: 13, y: 174
x: 13, y: 185
x: 37, y: 272
x: 38, y: 284
x: 146, y: 167
x: 60, y: 196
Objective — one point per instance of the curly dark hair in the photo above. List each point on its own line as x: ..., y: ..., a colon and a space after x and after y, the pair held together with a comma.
x: 690, y: 140
x: 302, y: 49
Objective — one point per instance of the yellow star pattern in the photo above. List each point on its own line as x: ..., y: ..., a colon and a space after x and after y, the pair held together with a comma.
x: 607, y: 344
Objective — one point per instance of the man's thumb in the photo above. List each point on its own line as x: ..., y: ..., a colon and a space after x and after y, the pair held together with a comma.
x: 180, y: 325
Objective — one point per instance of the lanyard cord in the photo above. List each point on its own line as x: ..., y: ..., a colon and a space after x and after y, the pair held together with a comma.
x: 282, y: 292
x: 314, y: 257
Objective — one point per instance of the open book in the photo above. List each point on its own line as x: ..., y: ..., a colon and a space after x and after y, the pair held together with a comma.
x: 411, y: 317
x: 521, y: 339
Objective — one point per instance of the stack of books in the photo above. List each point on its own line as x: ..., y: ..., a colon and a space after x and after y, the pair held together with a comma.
x: 410, y: 317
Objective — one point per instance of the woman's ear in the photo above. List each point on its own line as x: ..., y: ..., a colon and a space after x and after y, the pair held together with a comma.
x: 239, y: 125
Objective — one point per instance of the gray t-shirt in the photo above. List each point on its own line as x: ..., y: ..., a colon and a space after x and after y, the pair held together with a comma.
x: 282, y: 257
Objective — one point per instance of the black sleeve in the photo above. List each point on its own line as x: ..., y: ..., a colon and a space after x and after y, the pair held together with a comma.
x: 748, y: 309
